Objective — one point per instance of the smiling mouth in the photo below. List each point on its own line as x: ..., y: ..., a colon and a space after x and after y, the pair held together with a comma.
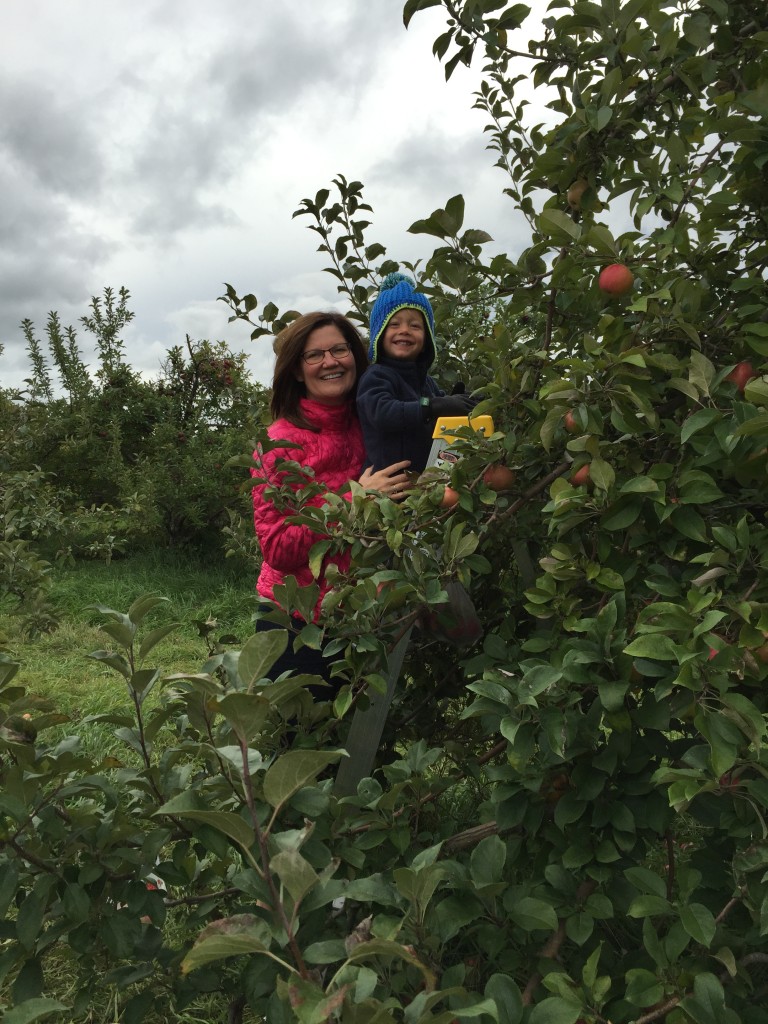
x: 332, y: 376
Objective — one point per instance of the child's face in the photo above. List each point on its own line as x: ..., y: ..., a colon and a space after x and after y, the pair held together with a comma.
x: 404, y: 334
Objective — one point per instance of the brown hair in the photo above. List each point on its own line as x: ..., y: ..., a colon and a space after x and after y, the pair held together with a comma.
x: 289, y: 348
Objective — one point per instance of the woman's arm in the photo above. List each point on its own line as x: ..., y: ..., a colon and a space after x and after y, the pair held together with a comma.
x: 285, y: 546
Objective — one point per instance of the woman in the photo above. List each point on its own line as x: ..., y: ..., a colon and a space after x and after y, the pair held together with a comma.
x: 320, y: 357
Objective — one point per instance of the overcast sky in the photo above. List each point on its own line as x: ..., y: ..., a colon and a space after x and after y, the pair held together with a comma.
x: 164, y: 145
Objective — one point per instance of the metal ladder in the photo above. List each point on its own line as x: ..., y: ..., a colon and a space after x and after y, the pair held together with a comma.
x: 368, y: 725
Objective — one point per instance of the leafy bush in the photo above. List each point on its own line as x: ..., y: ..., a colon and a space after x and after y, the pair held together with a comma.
x: 133, y: 462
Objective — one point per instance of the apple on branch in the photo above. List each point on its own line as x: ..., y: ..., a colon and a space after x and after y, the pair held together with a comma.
x: 499, y: 477
x: 741, y: 374
x: 615, y: 279
x: 450, y: 497
x: 581, y: 477
x: 570, y: 423
x: 575, y: 192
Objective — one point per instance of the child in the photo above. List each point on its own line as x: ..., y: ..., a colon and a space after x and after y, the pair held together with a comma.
x: 397, y: 401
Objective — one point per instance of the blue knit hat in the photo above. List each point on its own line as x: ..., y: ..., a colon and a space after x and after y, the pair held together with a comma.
x: 398, y: 291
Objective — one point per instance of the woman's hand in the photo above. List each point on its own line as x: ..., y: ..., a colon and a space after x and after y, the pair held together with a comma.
x: 392, y: 481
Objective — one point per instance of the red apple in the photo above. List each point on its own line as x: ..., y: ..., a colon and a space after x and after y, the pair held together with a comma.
x: 556, y: 787
x: 714, y: 651
x: 741, y: 373
x: 450, y: 498
x: 571, y: 424
x: 499, y: 477
x: 615, y: 279
x: 581, y: 477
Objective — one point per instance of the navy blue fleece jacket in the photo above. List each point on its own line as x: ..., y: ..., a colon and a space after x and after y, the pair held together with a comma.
x: 389, y: 406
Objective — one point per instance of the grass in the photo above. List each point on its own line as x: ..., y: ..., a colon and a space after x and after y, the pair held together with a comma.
x: 56, y: 664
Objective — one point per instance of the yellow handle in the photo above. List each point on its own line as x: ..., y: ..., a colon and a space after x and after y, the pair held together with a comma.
x: 445, y: 426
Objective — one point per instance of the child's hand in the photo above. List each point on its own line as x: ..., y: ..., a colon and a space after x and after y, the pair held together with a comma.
x: 392, y: 481
x: 452, y: 405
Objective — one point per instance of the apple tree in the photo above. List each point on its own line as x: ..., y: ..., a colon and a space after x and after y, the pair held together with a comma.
x: 615, y: 711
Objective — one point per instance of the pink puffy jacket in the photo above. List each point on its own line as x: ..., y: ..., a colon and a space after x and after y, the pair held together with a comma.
x: 336, y: 454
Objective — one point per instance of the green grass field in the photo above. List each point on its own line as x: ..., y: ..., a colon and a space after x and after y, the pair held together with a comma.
x: 56, y: 665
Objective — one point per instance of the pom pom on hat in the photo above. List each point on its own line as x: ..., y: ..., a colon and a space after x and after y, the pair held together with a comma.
x: 392, y: 279
x: 398, y: 291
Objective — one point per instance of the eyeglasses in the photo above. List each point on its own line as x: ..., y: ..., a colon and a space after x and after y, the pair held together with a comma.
x: 316, y: 355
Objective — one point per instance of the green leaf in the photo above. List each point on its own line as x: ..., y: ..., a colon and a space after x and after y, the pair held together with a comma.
x: 223, y: 821
x: 454, y: 214
x: 639, y: 485
x: 740, y: 710
x: 114, y: 660
x: 601, y: 473
x: 557, y: 224
x: 259, y: 654
x: 29, y: 921
x: 707, y: 1004
x: 699, y: 420
x: 246, y: 713
x: 621, y: 515
x: 9, y: 881
x: 656, y: 646
x: 122, y: 633
x: 689, y: 523
x: 293, y: 770
x: 698, y: 488
x: 702, y: 372
x: 142, y: 605
x: 756, y: 391
x: 474, y: 236
x: 33, y: 1009
x: 506, y: 994
x: 648, y: 906
x: 328, y: 952
x: 554, y: 1010
x: 219, y: 947
x: 699, y: 923
x: 296, y: 874
x: 643, y: 987
x: 143, y: 680
x: 419, y: 886
x: 155, y: 636
x: 646, y: 881
x: 532, y: 914
x: 317, y: 557
x: 487, y: 861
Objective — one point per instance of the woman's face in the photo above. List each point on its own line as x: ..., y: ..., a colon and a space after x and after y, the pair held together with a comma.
x: 330, y: 373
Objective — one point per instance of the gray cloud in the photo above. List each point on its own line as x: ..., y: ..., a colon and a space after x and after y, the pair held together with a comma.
x: 46, y: 260
x: 47, y: 139
x: 206, y: 125
x: 165, y: 144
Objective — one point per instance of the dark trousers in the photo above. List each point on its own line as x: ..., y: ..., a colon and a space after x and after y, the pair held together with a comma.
x: 305, y: 661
